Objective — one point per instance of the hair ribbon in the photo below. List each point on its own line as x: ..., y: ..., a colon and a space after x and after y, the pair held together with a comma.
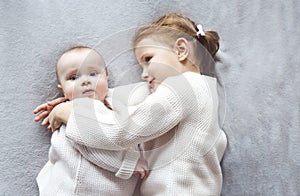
x: 200, y: 30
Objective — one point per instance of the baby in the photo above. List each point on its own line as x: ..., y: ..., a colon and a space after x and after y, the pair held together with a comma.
x: 76, y: 169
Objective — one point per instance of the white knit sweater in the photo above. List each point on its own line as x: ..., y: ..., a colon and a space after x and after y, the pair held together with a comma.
x: 184, y: 144
x: 74, y: 169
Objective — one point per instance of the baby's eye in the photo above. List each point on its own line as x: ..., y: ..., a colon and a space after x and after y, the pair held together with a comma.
x: 147, y: 59
x: 93, y: 73
x: 74, y: 77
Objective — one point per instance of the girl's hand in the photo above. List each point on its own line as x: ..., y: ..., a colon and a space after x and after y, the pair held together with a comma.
x: 142, y: 168
x: 44, y: 110
x: 59, y: 115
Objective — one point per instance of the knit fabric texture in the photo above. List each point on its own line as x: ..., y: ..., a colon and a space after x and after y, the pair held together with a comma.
x: 74, y: 169
x: 178, y: 123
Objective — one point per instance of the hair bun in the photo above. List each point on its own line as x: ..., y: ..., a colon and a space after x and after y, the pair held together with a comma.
x: 212, y: 42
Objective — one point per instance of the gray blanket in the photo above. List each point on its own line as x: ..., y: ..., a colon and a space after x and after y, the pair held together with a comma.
x: 258, y: 80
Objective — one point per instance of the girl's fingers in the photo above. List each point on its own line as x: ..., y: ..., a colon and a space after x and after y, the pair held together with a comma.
x: 37, y: 118
x: 147, y: 173
x: 45, y: 109
x: 42, y: 115
x: 56, y: 101
x: 40, y: 108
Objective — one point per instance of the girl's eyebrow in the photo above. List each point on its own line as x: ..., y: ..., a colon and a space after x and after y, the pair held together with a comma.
x: 144, y: 54
x: 142, y: 57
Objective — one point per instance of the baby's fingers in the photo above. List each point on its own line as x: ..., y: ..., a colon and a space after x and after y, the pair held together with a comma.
x: 55, y: 126
x: 45, y: 121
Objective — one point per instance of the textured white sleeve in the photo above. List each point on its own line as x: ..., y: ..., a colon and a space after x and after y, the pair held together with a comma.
x: 123, y: 162
x: 128, y: 126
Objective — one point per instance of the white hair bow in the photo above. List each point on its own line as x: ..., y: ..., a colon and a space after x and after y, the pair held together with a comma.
x: 200, y: 30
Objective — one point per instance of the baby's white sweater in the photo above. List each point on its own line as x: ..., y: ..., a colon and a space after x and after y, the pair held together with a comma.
x: 74, y: 169
x: 184, y: 144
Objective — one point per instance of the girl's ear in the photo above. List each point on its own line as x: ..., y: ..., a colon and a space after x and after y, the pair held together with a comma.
x: 182, y: 49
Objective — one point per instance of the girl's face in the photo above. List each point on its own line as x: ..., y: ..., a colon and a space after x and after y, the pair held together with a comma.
x: 158, y: 61
x: 82, y: 74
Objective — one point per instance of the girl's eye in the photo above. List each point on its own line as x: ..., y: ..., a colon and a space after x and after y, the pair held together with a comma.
x: 148, y: 58
x: 74, y: 77
x: 93, y: 73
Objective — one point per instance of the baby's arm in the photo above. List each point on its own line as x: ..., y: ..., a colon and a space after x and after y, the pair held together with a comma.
x: 59, y: 115
x: 43, y: 110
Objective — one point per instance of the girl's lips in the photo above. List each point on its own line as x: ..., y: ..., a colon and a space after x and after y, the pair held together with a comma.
x: 151, y: 81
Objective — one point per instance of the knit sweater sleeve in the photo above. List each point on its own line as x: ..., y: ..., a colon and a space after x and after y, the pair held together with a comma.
x: 121, y: 162
x: 127, y: 126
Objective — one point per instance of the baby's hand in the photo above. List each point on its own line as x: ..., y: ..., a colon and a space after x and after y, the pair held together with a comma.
x: 59, y: 115
x: 44, y: 110
x: 142, y: 168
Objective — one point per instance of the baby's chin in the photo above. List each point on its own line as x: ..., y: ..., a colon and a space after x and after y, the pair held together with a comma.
x: 96, y: 97
x: 92, y: 96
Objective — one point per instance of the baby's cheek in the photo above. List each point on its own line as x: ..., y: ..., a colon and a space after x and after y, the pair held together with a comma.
x: 73, y: 91
x: 68, y: 95
x: 102, y: 88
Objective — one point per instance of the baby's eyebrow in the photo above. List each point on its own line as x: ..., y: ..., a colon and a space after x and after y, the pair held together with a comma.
x: 71, y: 72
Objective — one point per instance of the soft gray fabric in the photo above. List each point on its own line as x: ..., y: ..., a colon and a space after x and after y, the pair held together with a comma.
x: 258, y: 77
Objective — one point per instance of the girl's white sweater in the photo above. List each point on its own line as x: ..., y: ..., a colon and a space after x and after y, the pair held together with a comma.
x: 179, y: 125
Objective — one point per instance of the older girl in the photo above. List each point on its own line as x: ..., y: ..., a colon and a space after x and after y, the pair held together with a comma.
x: 183, y: 143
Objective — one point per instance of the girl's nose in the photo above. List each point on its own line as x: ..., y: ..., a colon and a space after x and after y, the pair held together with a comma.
x: 145, y: 74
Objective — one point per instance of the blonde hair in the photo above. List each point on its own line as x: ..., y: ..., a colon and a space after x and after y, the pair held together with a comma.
x: 169, y: 27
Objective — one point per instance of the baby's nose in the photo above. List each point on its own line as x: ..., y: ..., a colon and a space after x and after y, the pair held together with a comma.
x: 85, y: 81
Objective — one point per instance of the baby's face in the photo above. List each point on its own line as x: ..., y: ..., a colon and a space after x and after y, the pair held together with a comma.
x: 82, y: 74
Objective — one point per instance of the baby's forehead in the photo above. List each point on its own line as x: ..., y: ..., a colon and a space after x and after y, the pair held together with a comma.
x: 82, y: 57
x: 86, y: 51
x: 87, y: 55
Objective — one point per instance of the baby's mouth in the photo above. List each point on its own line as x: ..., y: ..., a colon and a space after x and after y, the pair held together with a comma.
x: 88, y: 92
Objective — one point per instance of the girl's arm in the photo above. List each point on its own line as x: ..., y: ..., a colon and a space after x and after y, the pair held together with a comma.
x: 123, y: 163
x: 124, y: 127
x: 62, y: 113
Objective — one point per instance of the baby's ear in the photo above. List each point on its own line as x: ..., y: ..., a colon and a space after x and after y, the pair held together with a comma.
x: 182, y: 49
x: 60, y: 88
